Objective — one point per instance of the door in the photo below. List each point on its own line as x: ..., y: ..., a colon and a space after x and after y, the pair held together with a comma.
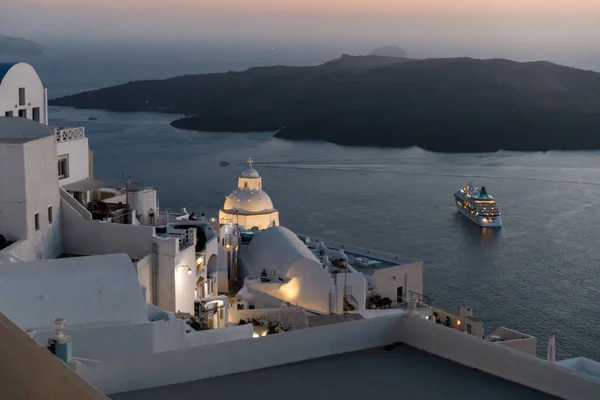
x: 400, y: 294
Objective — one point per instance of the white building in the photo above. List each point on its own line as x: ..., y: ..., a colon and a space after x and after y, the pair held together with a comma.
x: 278, y: 268
x: 103, y: 306
x: 51, y: 206
x: 248, y: 205
x: 30, y: 212
x: 22, y: 93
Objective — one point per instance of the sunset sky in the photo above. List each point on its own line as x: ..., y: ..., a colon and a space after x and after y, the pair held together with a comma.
x: 496, y: 22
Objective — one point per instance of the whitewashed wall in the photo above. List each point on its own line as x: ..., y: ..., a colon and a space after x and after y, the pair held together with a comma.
x: 144, y: 272
x: 41, y: 177
x: 113, y: 343
x: 142, y: 201
x: 13, y: 206
x: 23, y: 76
x: 528, y: 346
x: 93, y: 237
x: 27, y: 191
x: 501, y: 361
x: 79, y: 159
x: 290, y: 317
x: 222, y: 335
x: 410, y: 277
x: 238, y: 356
x: 185, y: 284
x: 354, y: 285
x: 107, y: 342
x: 245, y: 355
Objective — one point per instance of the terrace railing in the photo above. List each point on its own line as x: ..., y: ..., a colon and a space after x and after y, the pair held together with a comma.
x: 68, y: 134
x: 422, y: 301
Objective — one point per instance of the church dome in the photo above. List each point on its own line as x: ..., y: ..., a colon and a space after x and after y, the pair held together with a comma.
x: 250, y: 173
x: 248, y: 201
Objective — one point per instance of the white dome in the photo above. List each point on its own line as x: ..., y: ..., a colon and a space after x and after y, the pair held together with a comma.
x: 248, y: 201
x: 250, y: 173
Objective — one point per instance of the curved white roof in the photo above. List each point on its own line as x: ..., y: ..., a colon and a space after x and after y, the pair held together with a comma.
x: 20, y: 71
x: 278, y: 248
x: 98, y: 290
x: 248, y: 201
x: 250, y: 173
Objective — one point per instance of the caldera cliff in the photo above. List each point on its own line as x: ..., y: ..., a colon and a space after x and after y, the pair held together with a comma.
x: 446, y: 105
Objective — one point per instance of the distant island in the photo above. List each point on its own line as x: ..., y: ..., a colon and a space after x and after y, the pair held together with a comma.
x: 15, y: 46
x: 389, y: 51
x: 444, y: 105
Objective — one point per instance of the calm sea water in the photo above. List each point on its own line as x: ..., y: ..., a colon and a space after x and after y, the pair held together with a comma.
x: 539, y: 273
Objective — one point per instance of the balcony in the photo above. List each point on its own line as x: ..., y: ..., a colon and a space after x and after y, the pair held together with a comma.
x: 116, y: 213
x: 375, y: 302
x: 64, y: 134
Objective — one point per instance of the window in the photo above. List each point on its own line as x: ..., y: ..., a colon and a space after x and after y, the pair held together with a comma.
x: 8, y: 114
x: 36, y: 114
x: 63, y: 166
x: 23, y: 113
x: 36, y: 221
x: 50, y: 215
x: 22, y: 96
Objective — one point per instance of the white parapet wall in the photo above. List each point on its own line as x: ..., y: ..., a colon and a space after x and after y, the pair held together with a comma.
x: 515, y: 340
x: 291, y: 318
x: 195, y: 363
x: 192, y: 364
x: 501, y: 361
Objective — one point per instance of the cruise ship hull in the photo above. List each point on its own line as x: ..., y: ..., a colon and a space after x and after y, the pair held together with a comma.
x: 495, y: 222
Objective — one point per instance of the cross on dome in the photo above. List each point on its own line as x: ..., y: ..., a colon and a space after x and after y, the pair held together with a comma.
x: 250, y: 162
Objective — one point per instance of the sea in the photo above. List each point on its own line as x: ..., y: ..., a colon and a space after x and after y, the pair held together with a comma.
x: 540, y: 273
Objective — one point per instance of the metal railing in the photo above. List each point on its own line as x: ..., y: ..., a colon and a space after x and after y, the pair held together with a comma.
x: 187, y: 239
x: 67, y: 134
x: 422, y: 301
x: 421, y: 298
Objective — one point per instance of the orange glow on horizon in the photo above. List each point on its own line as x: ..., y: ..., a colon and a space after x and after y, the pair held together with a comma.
x: 516, y: 8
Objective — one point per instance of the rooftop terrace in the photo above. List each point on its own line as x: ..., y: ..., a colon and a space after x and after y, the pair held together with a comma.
x: 361, y: 259
x: 402, y: 372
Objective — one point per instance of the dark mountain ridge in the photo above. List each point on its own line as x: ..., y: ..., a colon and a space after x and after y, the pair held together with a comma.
x: 15, y: 46
x: 450, y: 105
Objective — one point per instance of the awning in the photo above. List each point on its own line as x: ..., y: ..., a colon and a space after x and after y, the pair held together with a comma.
x: 86, y: 185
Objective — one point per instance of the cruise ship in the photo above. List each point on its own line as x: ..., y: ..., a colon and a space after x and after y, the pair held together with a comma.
x: 479, y: 206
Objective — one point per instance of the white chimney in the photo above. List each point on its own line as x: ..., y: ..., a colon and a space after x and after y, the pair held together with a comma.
x: 58, y: 335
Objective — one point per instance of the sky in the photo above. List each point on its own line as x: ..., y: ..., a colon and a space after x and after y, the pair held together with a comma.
x: 566, y: 24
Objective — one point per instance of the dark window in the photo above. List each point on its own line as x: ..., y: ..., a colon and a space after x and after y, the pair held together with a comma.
x: 36, y: 114
x: 50, y: 214
x: 63, y: 166
x: 36, y: 221
x: 22, y: 99
x: 23, y: 113
x: 8, y: 114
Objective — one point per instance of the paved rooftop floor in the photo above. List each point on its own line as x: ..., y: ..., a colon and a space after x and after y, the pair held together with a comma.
x: 399, y: 373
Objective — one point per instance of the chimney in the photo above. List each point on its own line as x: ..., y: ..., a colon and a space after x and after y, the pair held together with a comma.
x: 59, y: 344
